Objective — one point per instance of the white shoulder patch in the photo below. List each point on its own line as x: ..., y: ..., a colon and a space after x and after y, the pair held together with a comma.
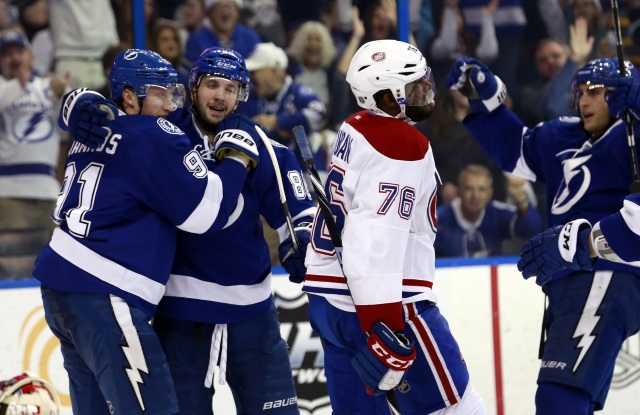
x: 168, y: 127
x: 569, y: 119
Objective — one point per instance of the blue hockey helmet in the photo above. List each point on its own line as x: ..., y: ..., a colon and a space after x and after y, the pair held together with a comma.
x: 140, y: 69
x: 596, y: 72
x: 222, y: 62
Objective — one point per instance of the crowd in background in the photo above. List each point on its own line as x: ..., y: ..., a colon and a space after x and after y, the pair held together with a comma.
x: 534, y: 46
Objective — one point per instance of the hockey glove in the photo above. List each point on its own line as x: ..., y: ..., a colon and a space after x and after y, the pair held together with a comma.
x: 624, y: 97
x: 382, y: 363
x: 555, y: 249
x: 238, y: 132
x: 290, y: 259
x: 87, y: 115
x: 474, y: 79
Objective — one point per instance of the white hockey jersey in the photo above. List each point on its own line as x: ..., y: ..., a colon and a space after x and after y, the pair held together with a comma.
x: 382, y: 189
x: 29, y: 140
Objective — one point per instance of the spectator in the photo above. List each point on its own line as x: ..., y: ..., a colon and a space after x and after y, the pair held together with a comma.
x: 34, y: 19
x: 343, y: 102
x: 474, y: 226
x: 556, y: 64
x: 263, y: 17
x: 82, y: 31
x: 29, y: 146
x: 33, y: 16
x: 165, y: 40
x: 192, y: 17
x: 452, y: 42
x: 510, y: 22
x: 313, y: 50
x: 225, y: 31
x: 591, y: 11
x: 276, y: 102
x: 8, y: 15
x: 454, y: 147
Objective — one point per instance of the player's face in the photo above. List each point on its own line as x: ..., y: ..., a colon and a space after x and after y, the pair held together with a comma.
x: 419, y: 98
x: 159, y: 101
x: 594, y: 110
x: 475, y: 192
x: 215, y: 98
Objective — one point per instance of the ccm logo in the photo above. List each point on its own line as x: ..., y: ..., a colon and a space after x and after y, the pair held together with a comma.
x: 390, y: 360
x: 566, y: 235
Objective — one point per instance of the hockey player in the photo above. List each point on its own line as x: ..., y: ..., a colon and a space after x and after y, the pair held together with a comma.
x: 379, y: 323
x: 584, y: 163
x: 218, y: 306
x: 107, y: 264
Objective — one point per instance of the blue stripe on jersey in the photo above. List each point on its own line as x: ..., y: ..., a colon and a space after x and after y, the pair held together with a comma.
x: 31, y: 168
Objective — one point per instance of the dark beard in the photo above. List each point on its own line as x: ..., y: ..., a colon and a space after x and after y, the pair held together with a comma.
x: 204, y: 124
x: 417, y: 114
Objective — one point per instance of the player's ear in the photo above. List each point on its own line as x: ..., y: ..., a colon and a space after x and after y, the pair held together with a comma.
x: 386, y: 102
x: 129, y: 99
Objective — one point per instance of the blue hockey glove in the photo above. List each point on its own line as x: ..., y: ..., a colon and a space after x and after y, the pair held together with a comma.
x: 474, y: 79
x: 290, y: 259
x: 624, y: 96
x: 87, y: 115
x: 238, y: 132
x: 382, y: 363
x: 555, y: 249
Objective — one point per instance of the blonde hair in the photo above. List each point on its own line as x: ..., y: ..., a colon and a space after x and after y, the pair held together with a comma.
x: 300, y: 38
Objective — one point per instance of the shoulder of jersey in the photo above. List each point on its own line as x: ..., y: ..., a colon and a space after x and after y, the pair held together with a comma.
x: 148, y: 125
x: 390, y: 137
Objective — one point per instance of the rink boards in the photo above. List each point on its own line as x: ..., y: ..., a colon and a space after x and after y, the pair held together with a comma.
x: 492, y: 311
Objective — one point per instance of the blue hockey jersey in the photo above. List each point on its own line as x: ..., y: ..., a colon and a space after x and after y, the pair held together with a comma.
x: 225, y: 277
x: 584, y: 179
x: 458, y: 237
x: 295, y: 104
x: 119, y: 207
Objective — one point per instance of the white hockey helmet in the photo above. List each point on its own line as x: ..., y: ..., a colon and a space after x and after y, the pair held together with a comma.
x: 27, y: 394
x: 394, y: 65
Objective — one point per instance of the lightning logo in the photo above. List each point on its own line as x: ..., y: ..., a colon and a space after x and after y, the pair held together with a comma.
x: 567, y: 196
x: 589, y: 318
x: 133, y: 348
x: 33, y: 122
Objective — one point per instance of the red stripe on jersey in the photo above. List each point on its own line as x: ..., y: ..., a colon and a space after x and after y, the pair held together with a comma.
x: 431, y: 354
x: 391, y: 137
x: 390, y: 314
x: 417, y: 283
x: 325, y: 278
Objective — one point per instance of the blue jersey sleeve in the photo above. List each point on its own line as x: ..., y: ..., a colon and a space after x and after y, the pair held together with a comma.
x: 621, y: 229
x: 265, y: 185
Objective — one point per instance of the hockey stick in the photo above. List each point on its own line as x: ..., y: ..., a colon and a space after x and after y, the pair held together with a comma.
x: 283, y: 196
x: 635, y: 185
x: 334, y: 232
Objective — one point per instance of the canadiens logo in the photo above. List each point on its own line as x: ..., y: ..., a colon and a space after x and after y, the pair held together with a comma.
x: 379, y: 56
x: 168, y: 127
